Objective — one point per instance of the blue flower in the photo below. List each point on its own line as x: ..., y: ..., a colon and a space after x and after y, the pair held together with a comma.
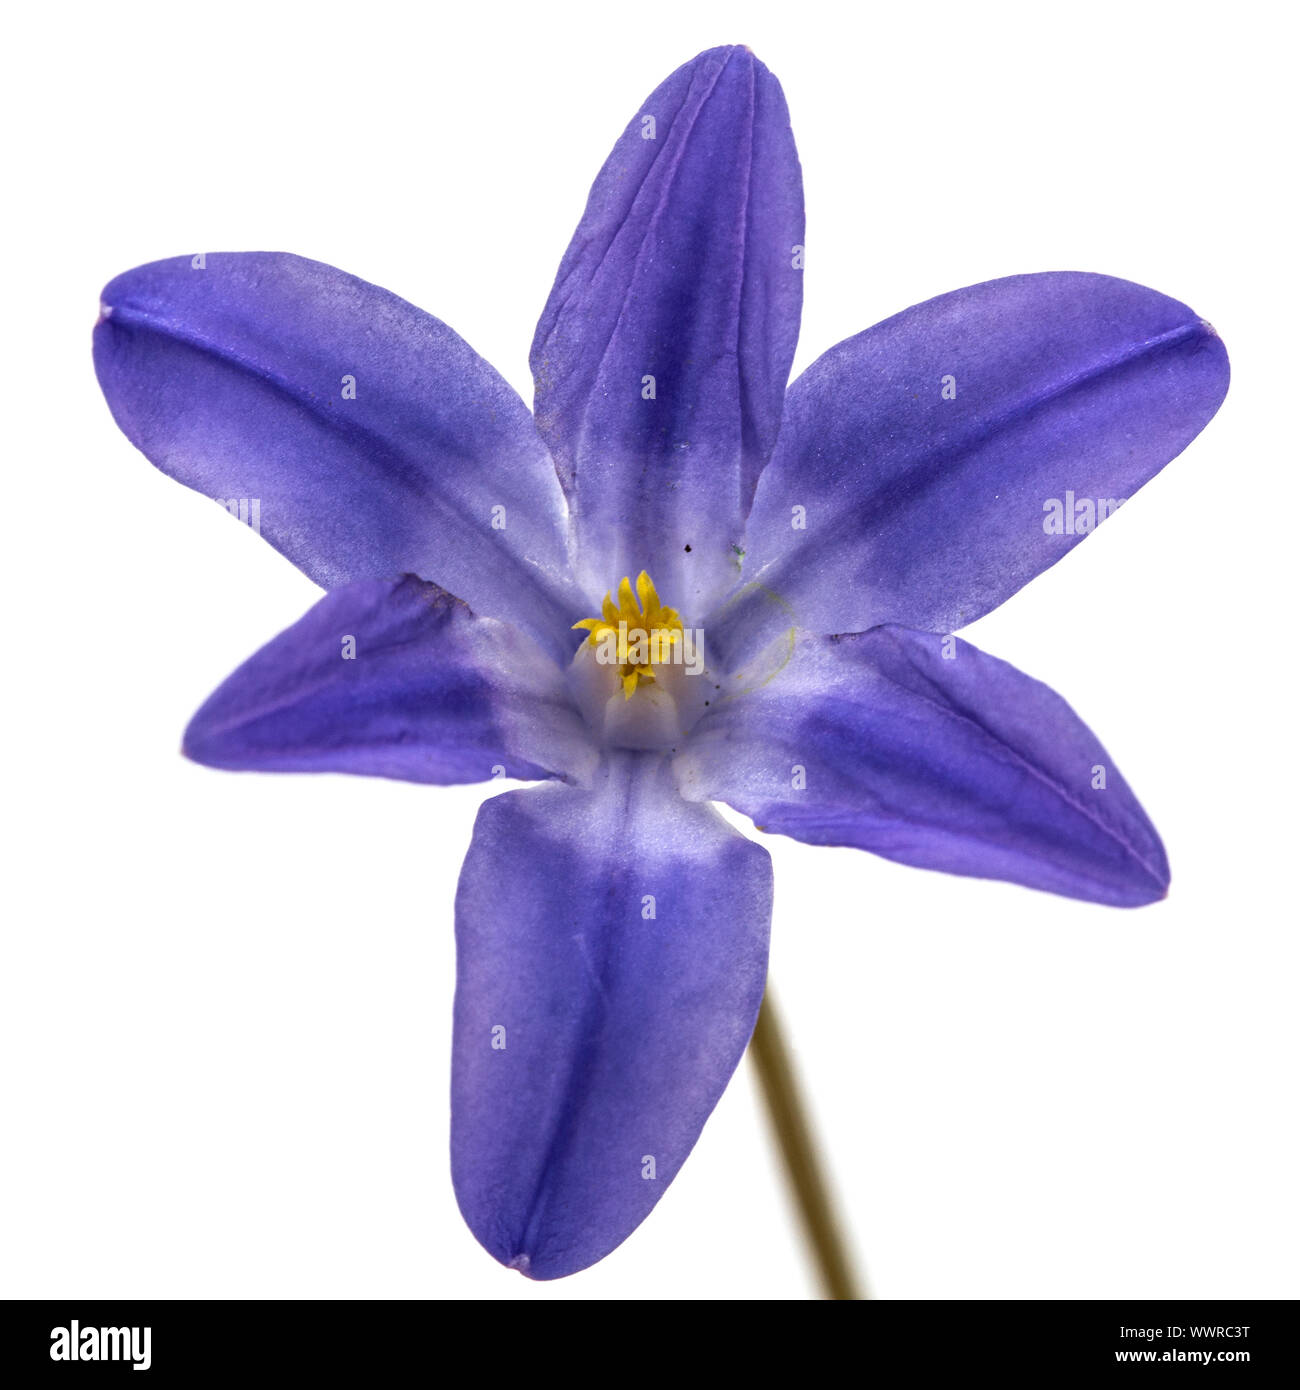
x: 490, y: 608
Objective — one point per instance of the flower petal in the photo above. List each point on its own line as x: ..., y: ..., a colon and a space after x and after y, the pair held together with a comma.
x: 961, y: 763
x: 395, y: 679
x: 373, y: 440
x: 662, y: 355
x: 922, y: 462
x: 612, y: 950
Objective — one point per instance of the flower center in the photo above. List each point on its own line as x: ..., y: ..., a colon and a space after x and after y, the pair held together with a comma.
x: 634, y: 636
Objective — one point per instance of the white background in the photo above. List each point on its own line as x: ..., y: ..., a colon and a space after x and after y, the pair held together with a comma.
x: 225, y: 1000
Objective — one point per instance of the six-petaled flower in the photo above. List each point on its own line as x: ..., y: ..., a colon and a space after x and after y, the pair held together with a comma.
x: 826, y: 540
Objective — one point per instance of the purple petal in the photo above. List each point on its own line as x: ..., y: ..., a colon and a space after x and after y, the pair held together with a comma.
x: 682, y: 269
x: 930, y: 454
x: 237, y: 379
x: 395, y: 679
x: 611, y: 954
x: 962, y: 763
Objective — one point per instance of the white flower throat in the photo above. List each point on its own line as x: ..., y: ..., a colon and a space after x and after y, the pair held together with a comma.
x: 639, y: 675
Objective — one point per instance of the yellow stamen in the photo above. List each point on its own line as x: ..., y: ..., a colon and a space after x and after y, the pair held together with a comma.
x: 646, y: 623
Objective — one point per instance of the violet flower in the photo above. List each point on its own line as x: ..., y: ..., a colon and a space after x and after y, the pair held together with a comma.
x: 612, y: 929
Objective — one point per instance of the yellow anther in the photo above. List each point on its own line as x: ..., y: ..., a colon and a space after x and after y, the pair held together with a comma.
x: 635, y: 633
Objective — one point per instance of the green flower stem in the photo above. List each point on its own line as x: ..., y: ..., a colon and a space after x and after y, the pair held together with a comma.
x: 789, y: 1118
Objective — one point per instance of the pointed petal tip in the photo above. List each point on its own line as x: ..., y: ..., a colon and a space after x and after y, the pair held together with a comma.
x: 191, y: 741
x: 1147, y: 880
x: 1155, y: 890
x: 1152, y: 879
x: 203, y: 745
x: 732, y: 50
x: 725, y: 54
